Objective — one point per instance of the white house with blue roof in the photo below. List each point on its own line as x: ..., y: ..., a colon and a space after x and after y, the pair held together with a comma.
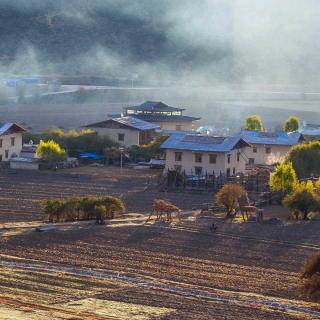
x: 268, y: 148
x: 10, y: 140
x: 199, y: 154
x: 127, y: 131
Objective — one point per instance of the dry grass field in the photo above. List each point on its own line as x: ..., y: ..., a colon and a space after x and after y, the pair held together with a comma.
x: 133, y: 269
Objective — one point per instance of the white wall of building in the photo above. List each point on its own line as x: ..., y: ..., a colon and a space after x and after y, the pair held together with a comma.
x: 131, y: 137
x: 188, y: 162
x: 278, y: 152
x: 7, y: 146
x: 183, y: 126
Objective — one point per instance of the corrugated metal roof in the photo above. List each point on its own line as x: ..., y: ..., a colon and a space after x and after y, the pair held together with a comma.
x: 155, y: 106
x: 5, y: 127
x: 164, y: 118
x: 272, y: 138
x: 129, y: 121
x: 195, y: 142
x: 136, y: 123
x: 310, y: 130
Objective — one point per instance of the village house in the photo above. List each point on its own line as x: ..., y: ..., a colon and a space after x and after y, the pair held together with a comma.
x: 310, y: 131
x: 127, y: 131
x: 200, y: 155
x: 10, y: 140
x: 267, y: 148
x: 159, y: 113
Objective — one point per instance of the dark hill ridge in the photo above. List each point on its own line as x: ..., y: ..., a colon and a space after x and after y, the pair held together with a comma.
x: 66, y: 41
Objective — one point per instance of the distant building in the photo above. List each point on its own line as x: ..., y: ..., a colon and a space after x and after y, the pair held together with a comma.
x: 267, y: 148
x: 127, y: 131
x: 10, y: 140
x: 159, y: 113
x: 310, y: 131
x: 198, y: 154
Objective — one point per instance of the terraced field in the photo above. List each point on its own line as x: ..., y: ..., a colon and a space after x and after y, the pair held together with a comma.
x: 22, y: 192
x: 133, y: 269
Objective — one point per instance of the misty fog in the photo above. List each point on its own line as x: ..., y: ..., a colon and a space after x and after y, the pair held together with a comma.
x: 233, y: 53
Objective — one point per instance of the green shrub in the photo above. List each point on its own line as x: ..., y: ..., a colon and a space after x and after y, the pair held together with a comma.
x: 305, y: 159
x: 303, y: 199
x: 291, y: 124
x: 283, y: 179
x: 51, y: 151
x: 82, y: 208
x: 75, y: 142
x: 253, y: 123
x: 150, y: 150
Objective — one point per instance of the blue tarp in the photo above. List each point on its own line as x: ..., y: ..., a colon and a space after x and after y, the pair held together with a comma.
x: 89, y: 155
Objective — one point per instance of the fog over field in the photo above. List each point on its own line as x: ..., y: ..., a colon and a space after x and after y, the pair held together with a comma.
x: 233, y: 53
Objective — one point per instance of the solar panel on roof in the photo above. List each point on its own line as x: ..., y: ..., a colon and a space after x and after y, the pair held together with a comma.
x: 267, y: 135
x: 203, y: 139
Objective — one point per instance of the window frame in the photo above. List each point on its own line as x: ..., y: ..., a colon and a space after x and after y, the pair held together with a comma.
x: 178, y: 156
x: 121, y: 135
x: 213, y: 158
x: 198, y: 157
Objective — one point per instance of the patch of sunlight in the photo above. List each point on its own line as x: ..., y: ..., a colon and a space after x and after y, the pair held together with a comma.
x: 116, y: 309
x: 10, y: 313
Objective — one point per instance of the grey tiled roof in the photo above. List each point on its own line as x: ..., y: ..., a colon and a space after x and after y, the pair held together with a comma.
x: 155, y: 106
x: 164, y: 118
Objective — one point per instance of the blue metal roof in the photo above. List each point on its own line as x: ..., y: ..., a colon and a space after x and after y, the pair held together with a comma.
x: 196, y: 142
x: 136, y: 123
x: 128, y: 121
x: 4, y: 127
x: 310, y: 130
x: 276, y: 138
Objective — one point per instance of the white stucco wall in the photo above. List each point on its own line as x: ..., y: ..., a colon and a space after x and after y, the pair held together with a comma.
x: 188, y: 162
x: 278, y: 152
x: 6, y: 145
x: 185, y: 126
x: 131, y: 137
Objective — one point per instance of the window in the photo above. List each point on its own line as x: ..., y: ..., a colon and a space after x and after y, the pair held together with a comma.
x: 0, y: 157
x: 213, y: 158
x: 178, y: 156
x: 238, y: 156
x: 178, y: 168
x: 229, y: 158
x: 255, y: 149
x: 0, y: 143
x: 6, y: 154
x: 251, y: 160
x: 198, y: 170
x: 198, y: 157
x: 228, y: 172
x: 178, y: 127
x: 268, y: 150
x: 234, y: 171
x: 120, y: 136
x: 12, y: 141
